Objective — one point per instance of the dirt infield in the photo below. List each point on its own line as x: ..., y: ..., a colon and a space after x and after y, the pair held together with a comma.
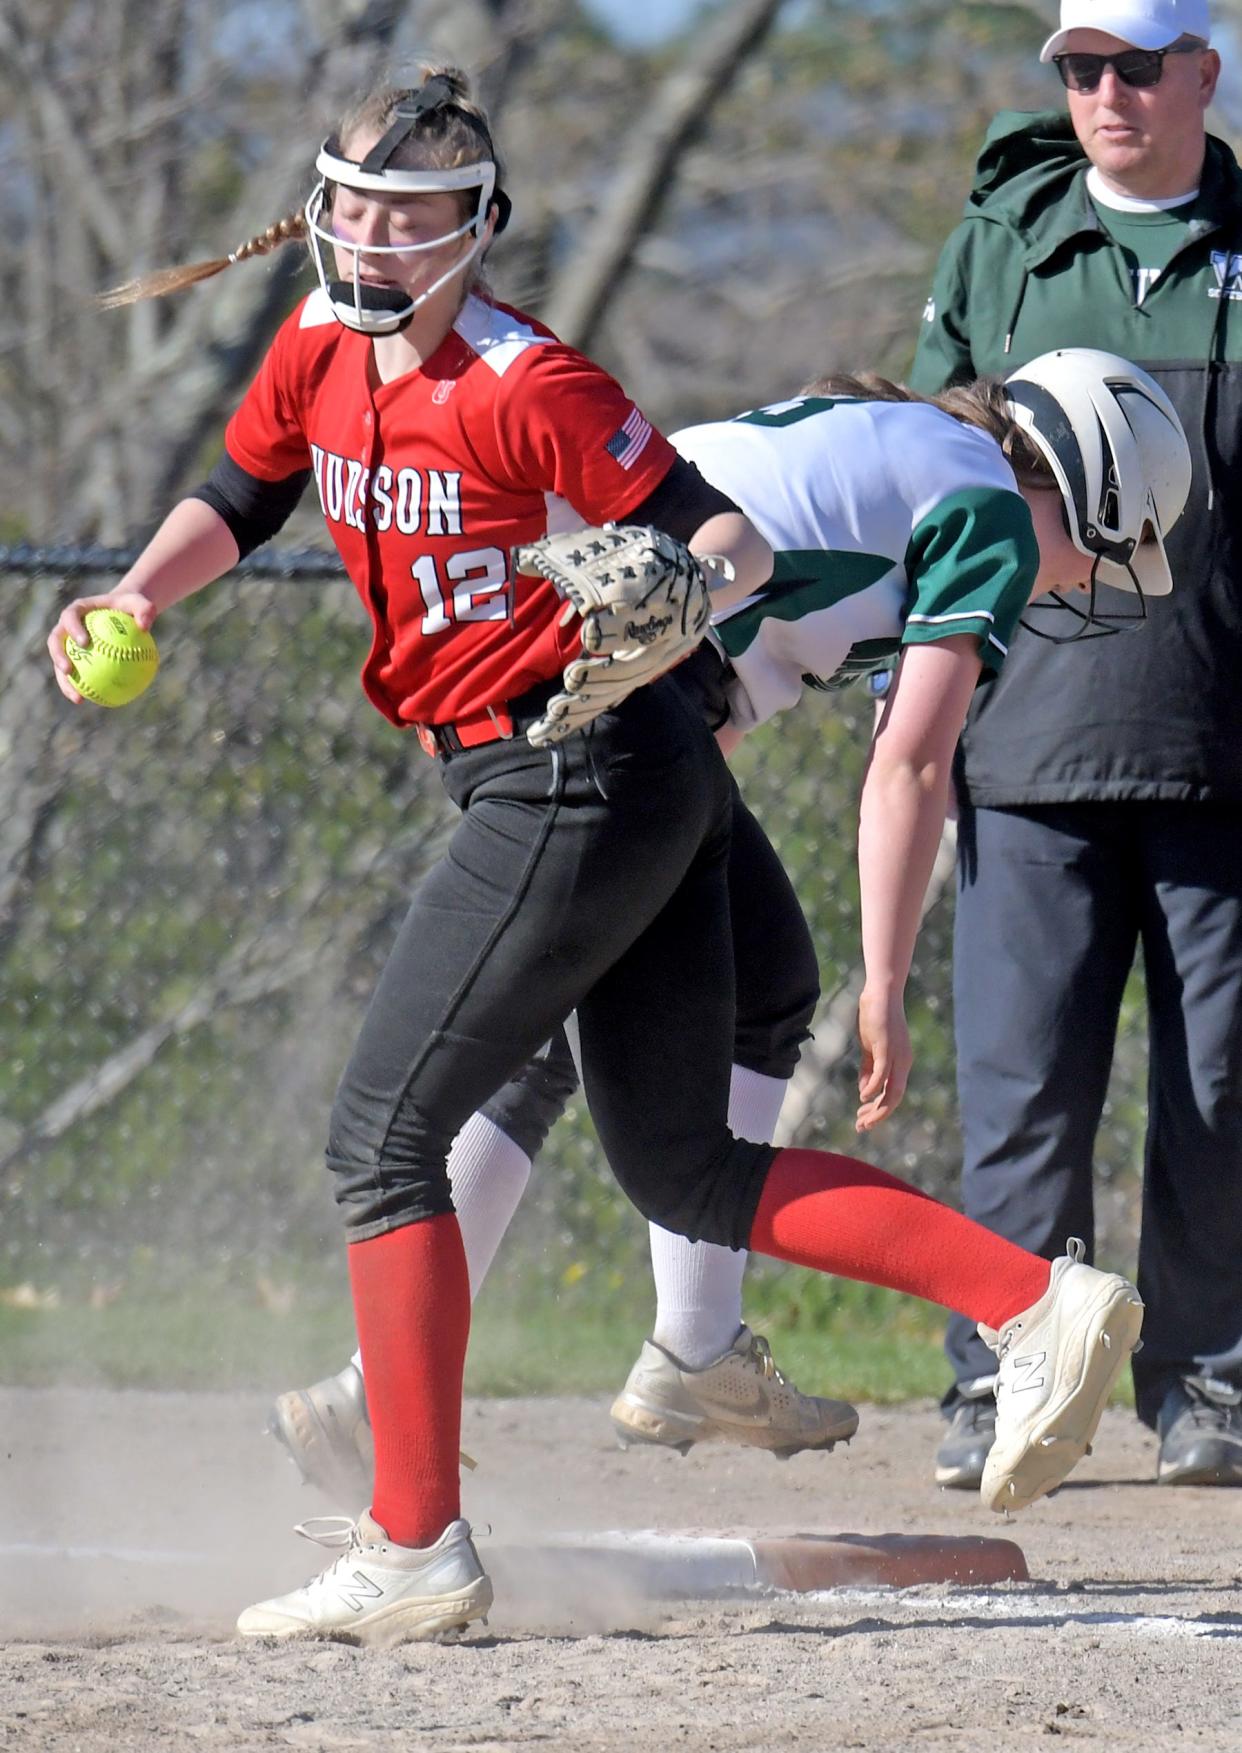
x: 133, y: 1527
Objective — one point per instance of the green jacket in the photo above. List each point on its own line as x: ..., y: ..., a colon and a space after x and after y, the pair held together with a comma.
x: 1157, y: 713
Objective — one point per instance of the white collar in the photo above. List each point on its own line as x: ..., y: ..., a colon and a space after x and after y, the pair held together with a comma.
x: 1099, y: 191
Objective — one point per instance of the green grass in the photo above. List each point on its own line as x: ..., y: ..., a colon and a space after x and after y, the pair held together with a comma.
x: 868, y: 1345
x: 190, y: 1341
x: 850, y: 1341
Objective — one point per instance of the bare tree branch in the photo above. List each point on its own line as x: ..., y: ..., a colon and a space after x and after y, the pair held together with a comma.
x: 675, y: 118
x: 211, y: 341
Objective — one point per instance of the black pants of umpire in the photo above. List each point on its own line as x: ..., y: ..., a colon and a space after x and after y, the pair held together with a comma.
x: 1052, y: 904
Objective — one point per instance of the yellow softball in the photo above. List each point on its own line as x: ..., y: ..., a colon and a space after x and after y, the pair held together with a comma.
x: 119, y: 663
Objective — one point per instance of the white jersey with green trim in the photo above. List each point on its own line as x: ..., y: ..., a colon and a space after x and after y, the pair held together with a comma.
x: 891, y: 522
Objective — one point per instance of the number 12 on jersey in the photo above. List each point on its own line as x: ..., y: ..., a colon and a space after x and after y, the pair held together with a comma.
x: 475, y: 587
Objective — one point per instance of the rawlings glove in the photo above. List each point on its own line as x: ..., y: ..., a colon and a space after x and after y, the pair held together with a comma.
x: 594, y: 685
x: 644, y: 603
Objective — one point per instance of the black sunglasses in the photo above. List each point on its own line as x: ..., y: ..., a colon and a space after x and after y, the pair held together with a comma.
x: 1137, y: 67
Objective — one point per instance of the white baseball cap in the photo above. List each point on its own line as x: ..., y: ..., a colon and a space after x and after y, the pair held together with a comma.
x: 1148, y: 24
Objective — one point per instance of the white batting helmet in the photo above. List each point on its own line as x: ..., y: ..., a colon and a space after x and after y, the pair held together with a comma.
x: 1116, y: 446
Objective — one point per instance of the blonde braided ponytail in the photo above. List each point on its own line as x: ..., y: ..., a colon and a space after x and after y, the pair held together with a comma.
x: 290, y: 229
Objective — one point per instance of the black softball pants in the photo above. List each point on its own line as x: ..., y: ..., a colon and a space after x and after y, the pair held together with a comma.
x: 776, y: 973
x: 590, y: 877
x: 1052, y: 903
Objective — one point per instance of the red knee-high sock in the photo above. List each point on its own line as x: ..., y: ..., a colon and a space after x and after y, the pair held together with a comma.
x: 412, y: 1306
x: 839, y: 1215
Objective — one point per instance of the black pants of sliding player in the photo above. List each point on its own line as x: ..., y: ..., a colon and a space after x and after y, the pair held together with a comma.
x: 776, y: 975
x: 591, y: 877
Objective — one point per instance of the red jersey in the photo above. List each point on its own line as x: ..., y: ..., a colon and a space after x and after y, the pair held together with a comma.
x: 428, y: 482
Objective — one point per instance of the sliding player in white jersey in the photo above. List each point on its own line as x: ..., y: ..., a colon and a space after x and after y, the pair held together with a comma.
x: 904, y: 531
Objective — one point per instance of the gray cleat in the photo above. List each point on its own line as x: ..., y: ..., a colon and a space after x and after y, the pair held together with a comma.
x: 972, y: 1431
x: 742, y: 1398
x: 1200, y: 1430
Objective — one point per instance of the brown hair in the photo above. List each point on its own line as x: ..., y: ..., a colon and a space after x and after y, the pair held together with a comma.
x: 290, y: 229
x: 446, y: 137
x: 451, y: 135
x: 981, y: 403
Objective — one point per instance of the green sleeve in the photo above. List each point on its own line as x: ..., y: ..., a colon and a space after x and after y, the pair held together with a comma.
x: 943, y: 353
x: 971, y: 564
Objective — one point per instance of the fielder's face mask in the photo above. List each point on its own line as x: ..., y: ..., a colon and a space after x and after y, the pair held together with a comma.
x: 382, y: 310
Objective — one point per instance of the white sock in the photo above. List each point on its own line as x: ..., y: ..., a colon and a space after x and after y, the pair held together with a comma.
x: 698, y: 1284
x: 488, y: 1174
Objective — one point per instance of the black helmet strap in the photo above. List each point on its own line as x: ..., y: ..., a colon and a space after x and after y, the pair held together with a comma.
x: 408, y: 112
x: 436, y: 94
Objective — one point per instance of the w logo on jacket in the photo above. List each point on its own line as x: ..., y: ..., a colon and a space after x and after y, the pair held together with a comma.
x: 1227, y: 266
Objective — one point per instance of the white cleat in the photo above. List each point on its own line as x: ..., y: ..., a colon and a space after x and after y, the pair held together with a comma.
x: 1059, y: 1360
x: 376, y: 1593
x: 327, y: 1431
x: 742, y: 1398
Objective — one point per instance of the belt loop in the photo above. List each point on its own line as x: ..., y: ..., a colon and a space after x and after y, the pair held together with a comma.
x: 500, y: 729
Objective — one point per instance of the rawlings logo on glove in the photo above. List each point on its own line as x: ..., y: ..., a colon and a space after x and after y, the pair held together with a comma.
x: 644, y: 603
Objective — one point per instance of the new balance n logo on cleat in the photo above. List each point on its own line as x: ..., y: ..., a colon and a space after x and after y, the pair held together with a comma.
x: 1028, y: 1372
x: 378, y: 1593
x: 362, y: 1589
x: 1049, y: 1401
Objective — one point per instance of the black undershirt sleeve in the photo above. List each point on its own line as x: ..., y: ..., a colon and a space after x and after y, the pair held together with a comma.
x: 253, y: 509
x: 681, y: 503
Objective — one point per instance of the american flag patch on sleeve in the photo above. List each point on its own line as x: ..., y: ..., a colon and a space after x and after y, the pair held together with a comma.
x: 630, y: 440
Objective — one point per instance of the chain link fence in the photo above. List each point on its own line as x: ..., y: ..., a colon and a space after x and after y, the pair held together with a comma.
x: 196, y: 896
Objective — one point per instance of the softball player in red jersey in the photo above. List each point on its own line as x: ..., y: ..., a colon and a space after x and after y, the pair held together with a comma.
x: 896, y: 526
x: 589, y: 876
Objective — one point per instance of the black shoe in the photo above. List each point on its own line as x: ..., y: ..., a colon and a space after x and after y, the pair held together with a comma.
x: 971, y: 1433
x: 1200, y: 1428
